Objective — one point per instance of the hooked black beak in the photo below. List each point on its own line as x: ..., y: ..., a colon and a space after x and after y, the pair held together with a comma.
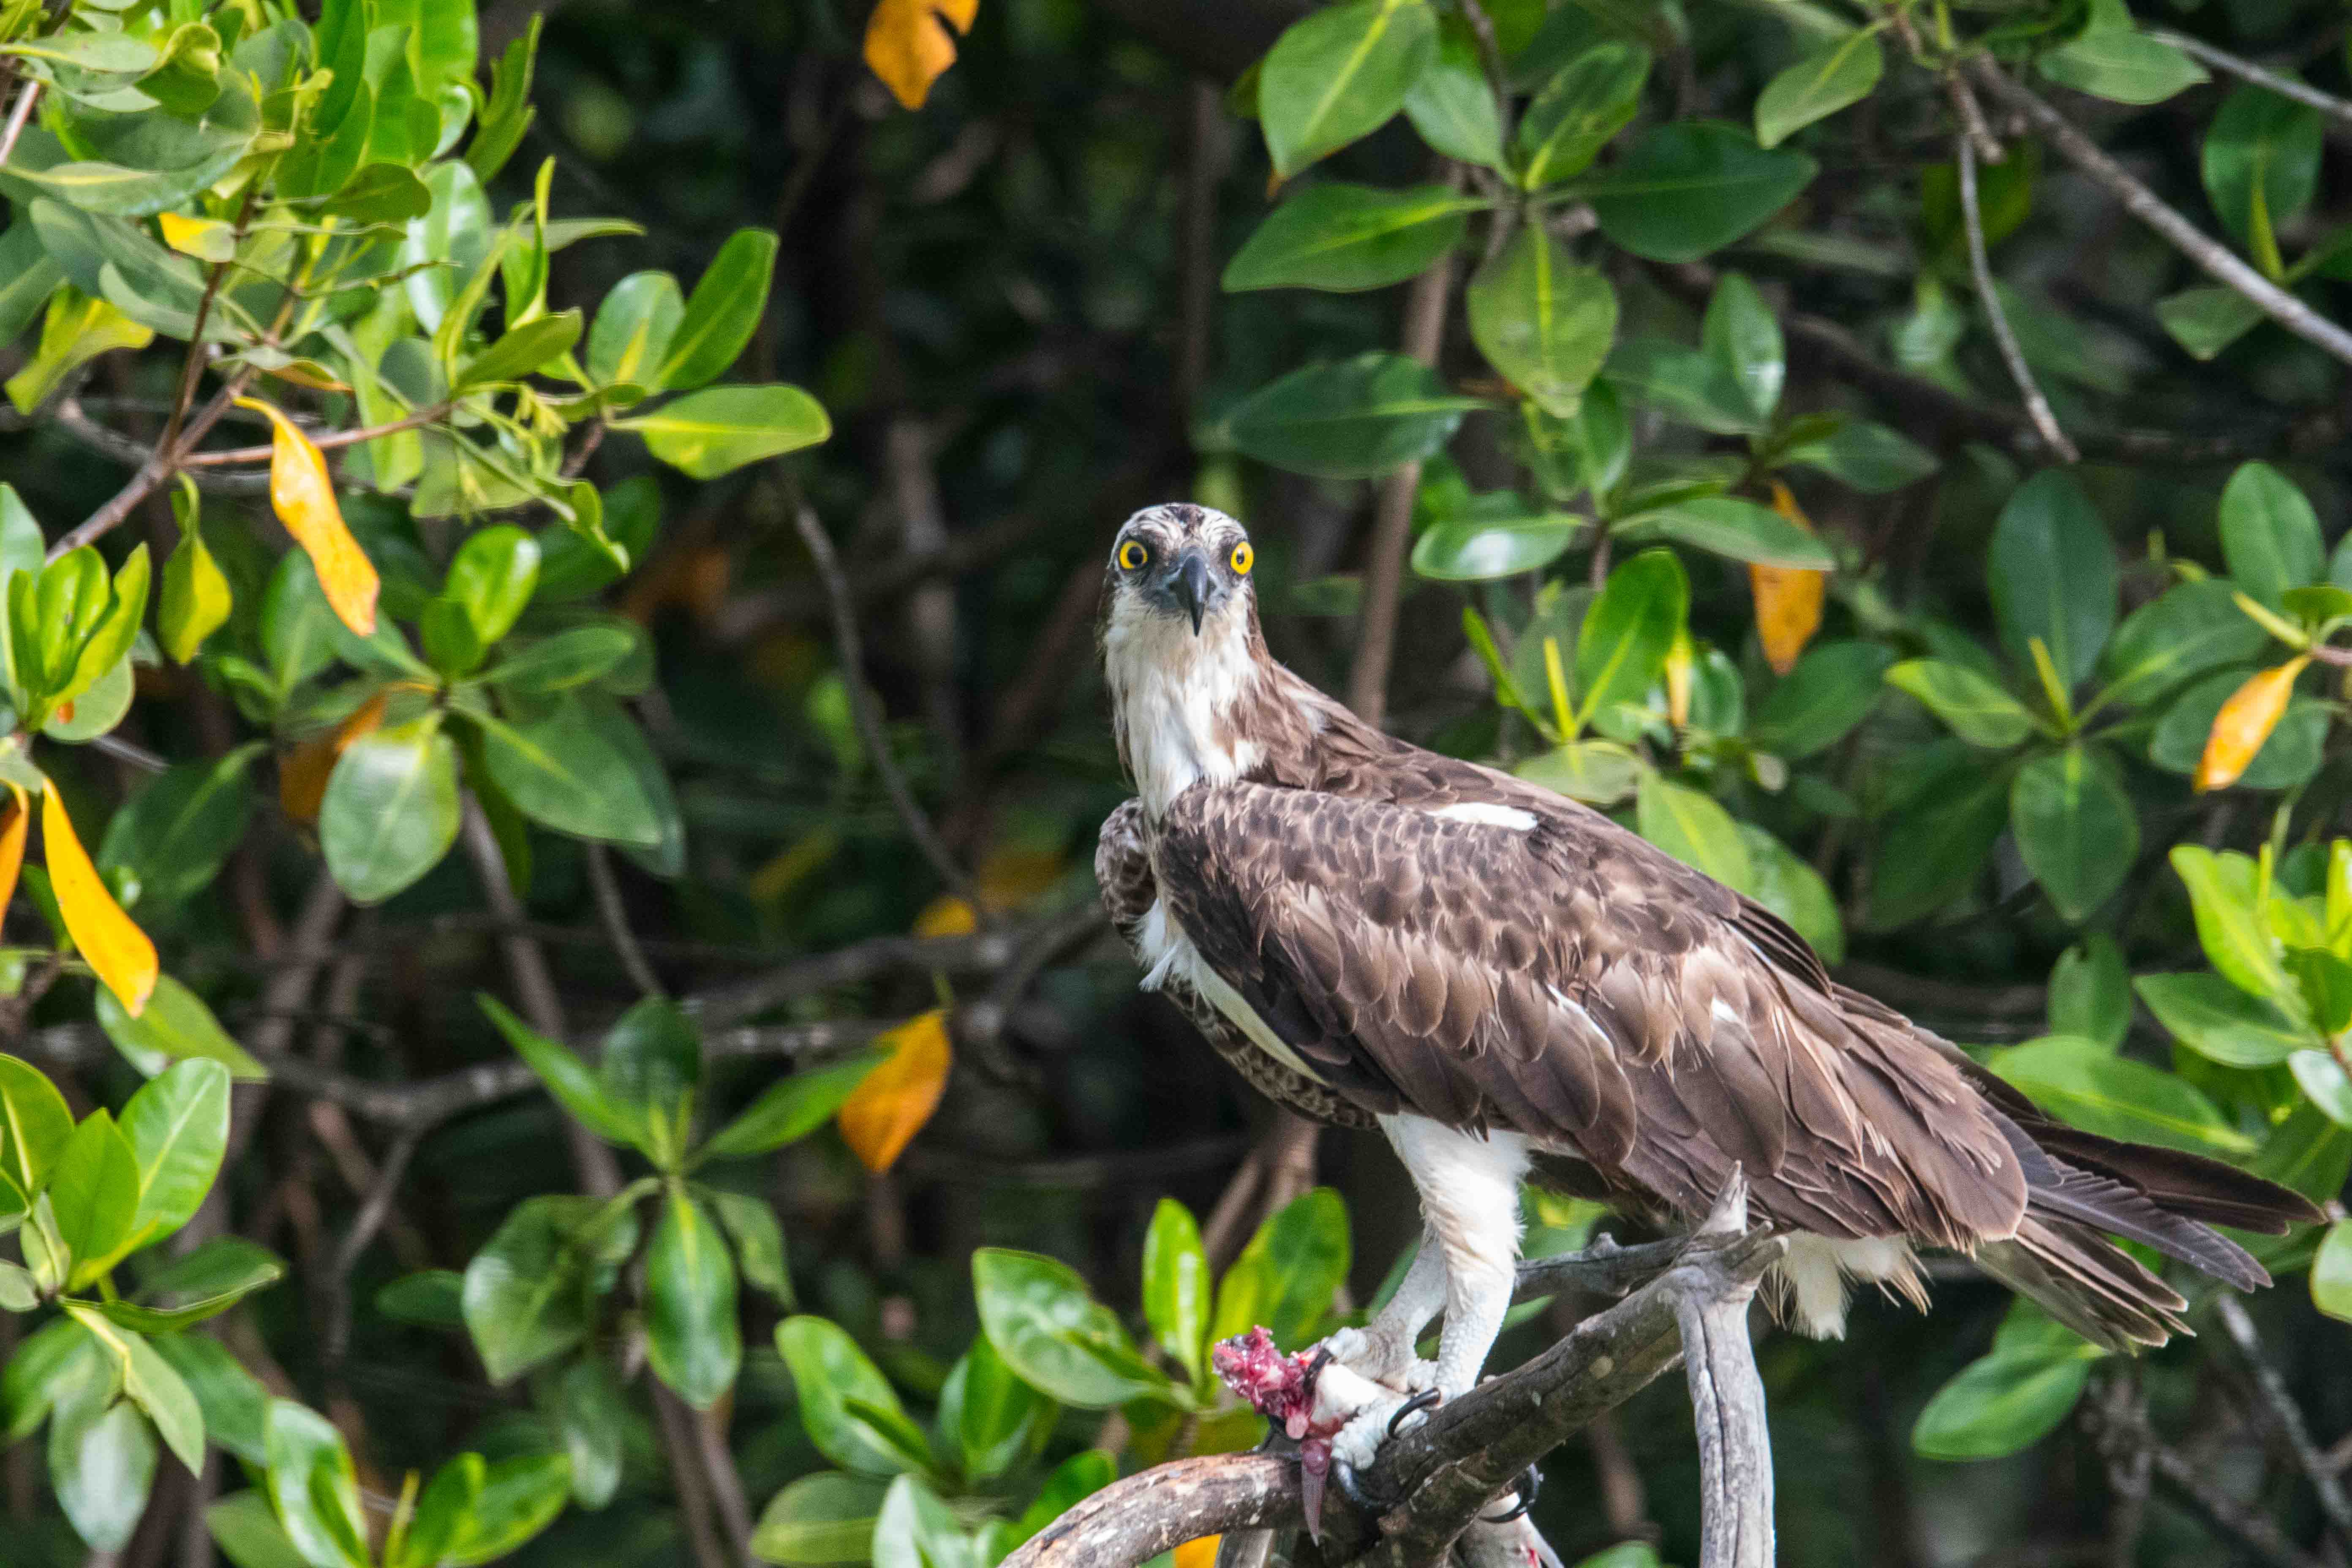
x: 1190, y: 586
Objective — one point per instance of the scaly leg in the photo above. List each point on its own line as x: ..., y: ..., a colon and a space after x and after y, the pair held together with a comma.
x: 1384, y: 1349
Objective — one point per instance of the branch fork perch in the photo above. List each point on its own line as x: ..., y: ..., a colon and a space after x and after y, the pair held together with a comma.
x: 1691, y: 1304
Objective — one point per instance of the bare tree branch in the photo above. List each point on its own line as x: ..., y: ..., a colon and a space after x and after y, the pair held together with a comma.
x: 2300, y: 91
x: 2288, y: 1416
x: 2037, y: 407
x: 2216, y: 260
x: 616, y: 918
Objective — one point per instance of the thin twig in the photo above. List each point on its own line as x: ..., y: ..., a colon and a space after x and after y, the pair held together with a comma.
x: 326, y: 443
x: 2300, y: 91
x: 2121, y: 1428
x: 75, y: 421
x: 616, y: 917
x: 867, y: 715
x: 152, y: 473
x: 1981, y: 264
x: 16, y: 119
x: 2288, y: 1416
x: 2216, y: 260
x: 373, y: 1212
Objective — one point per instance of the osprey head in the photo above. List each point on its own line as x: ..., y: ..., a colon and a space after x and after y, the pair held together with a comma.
x: 1181, y: 561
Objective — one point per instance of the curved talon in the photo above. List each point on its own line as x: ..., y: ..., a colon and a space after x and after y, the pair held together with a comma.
x: 1351, y: 1486
x: 1427, y: 1399
x: 1530, y: 1482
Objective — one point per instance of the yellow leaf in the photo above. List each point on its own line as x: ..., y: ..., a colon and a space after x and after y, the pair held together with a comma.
x: 1788, y: 598
x: 302, y: 776
x: 116, y: 948
x: 1201, y: 1553
x: 897, y: 1096
x: 12, y: 844
x: 202, y: 237
x: 1679, y: 658
x: 2244, y: 722
x: 908, y: 45
x: 304, y: 495
x: 1009, y: 879
x: 946, y: 915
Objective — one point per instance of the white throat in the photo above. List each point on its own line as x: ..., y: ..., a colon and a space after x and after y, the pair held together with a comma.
x: 1173, y: 693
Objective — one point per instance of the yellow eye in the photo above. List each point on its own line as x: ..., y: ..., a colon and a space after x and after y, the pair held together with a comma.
x: 1132, y: 555
x: 1243, y: 558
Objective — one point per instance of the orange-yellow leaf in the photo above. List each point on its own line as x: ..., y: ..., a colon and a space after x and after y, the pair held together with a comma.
x: 908, y: 44
x: 115, y: 946
x: 2244, y: 722
x: 302, y: 776
x: 1009, y: 879
x: 946, y: 915
x: 12, y: 844
x: 302, y: 493
x: 1679, y: 659
x: 897, y: 1096
x: 1201, y: 1553
x: 1788, y: 598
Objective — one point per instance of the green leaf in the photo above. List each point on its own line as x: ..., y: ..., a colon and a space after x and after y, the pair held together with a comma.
x: 1339, y: 74
x: 1177, y: 1286
x: 1839, y: 73
x: 57, y: 1365
x: 519, y: 1497
x: 2205, y: 321
x: 1622, y: 645
x: 721, y: 428
x: 1355, y: 419
x: 2191, y: 628
x: 526, y: 1297
x: 576, y: 656
x: 758, y: 1240
x: 1970, y: 706
x: 177, y: 1125
x: 790, y: 1109
x: 171, y: 838
x: 820, y: 1521
x: 1450, y: 103
x: 174, y: 1026
x: 575, y: 1084
x: 1694, y: 829
x: 1742, y: 335
x: 630, y: 339
x: 995, y: 1419
x: 2291, y: 754
x: 1834, y: 687
x: 2082, y: 1082
x: 567, y: 771
x: 1935, y: 843
x: 1578, y: 112
x: 2331, y: 1272
x: 27, y: 279
x: 1342, y: 238
x: 1687, y: 384
x: 2261, y: 153
x: 2270, y: 535
x: 1476, y: 549
x: 522, y: 352
x: 834, y: 1380
x: 1598, y: 773
x: 2221, y: 1022
x: 1869, y: 457
x: 203, y: 1284
x: 313, y: 1483
x: 1060, y: 1341
x: 591, y: 1412
x: 235, y: 1406
x: 443, y: 1513
x: 101, y: 1464
x: 1729, y: 526
x: 2324, y: 1080
x: 1284, y: 1279
x: 391, y: 809
x: 431, y: 1297
x: 94, y: 1194
x: 916, y: 1527
x: 196, y: 597
x: 2091, y: 992
x: 2052, y: 572
x: 1780, y: 880
x: 2325, y: 982
x: 2122, y: 64
x: 652, y: 1062
x: 721, y: 314
x: 34, y: 1125
x: 1541, y: 320
x: 1691, y: 187
x: 2237, y: 940
x: 249, y: 1534
x: 2001, y: 1403
x: 2075, y: 827
x: 149, y: 1381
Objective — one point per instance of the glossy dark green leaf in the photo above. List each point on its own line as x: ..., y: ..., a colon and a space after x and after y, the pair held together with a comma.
x: 831, y: 1374
x: 203, y: 1284
x: 34, y: 1125
x: 592, y: 1413
x: 1782, y: 881
x: 2001, y: 1403
x: 520, y: 1496
x: 792, y: 1108
x: 2331, y: 1272
x: 993, y: 1417
x: 1741, y: 334
x: 101, y: 1464
x: 1062, y: 1342
x: 580, y: 1089
x: 177, y: 1125
x: 1341, y: 238
x: 1934, y: 843
x: 235, y: 1406
x: 820, y: 1521
x: 1177, y: 1288
x: 2082, y: 1082
x: 150, y: 1383
x: 1284, y: 1279
x: 630, y: 339
x: 2324, y: 981
x: 1832, y: 688
x: 175, y: 1025
x: 1542, y: 320
x: 1621, y: 646
x: 758, y: 1240
x: 247, y: 1532
x: 1685, y: 383
x: 312, y: 1482
x: 94, y: 1193
x: 171, y: 838
x: 1840, y: 72
x: 1452, y: 103
x: 27, y: 279
x: 521, y: 352
x: 574, y: 658
x: 1475, y: 550
x: 1694, y: 829
x: 565, y: 771
x: 721, y: 428
x: 2261, y: 147
x: 431, y: 1297
x: 1350, y: 420
x: 443, y: 1511
x: 1873, y: 458
x: 2191, y: 628
x: 391, y: 809
x: 652, y: 1062
x: 2122, y: 64
x: 1578, y: 112
x: 2205, y: 321
x: 2052, y: 572
x: 1692, y: 187
x: 1742, y: 530
x: 2221, y: 1022
x: 1971, y: 707
x: 2091, y: 992
x: 721, y: 314
x: 2075, y: 827
x: 1077, y: 1477
x: 2270, y: 535
x: 526, y: 1295
x: 1339, y: 74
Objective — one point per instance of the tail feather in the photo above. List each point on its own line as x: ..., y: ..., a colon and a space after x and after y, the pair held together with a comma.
x: 2086, y: 1282
x: 2106, y: 1204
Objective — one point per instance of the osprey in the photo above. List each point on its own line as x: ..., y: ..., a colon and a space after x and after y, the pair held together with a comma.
x: 1378, y: 936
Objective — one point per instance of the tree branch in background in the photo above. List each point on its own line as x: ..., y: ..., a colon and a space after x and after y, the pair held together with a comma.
x: 2216, y: 260
x: 154, y: 471
x: 1448, y: 1470
x: 2037, y: 407
x: 614, y: 915
x: 2324, y: 1482
x: 2120, y: 1426
x: 2245, y: 69
x: 867, y: 714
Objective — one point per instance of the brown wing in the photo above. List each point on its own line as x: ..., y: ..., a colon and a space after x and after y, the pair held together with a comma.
x: 1574, y: 984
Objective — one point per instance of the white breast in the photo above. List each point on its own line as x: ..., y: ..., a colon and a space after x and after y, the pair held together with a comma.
x: 1172, y: 691
x: 1169, y: 956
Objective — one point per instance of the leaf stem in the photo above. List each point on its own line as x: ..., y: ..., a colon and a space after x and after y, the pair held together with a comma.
x: 2037, y: 407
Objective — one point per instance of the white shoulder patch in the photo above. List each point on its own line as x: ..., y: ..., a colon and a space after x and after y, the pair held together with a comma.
x: 1488, y: 814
